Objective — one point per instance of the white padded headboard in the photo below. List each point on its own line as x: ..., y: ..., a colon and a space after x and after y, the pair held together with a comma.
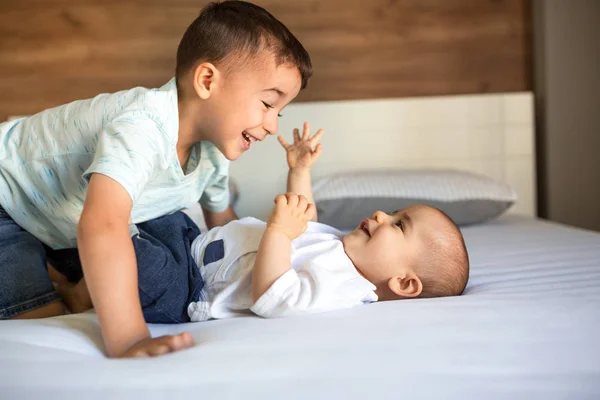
x: 489, y: 134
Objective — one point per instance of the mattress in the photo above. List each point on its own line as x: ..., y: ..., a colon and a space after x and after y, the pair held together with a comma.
x: 527, y: 327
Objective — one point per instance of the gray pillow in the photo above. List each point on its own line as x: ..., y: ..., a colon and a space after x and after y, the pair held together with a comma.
x: 344, y: 199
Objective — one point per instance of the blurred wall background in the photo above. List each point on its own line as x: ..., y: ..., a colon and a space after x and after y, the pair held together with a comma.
x: 567, y: 92
x: 56, y: 51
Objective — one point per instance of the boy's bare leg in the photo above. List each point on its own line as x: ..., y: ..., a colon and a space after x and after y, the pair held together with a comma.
x: 56, y: 276
x: 49, y: 310
x: 76, y: 297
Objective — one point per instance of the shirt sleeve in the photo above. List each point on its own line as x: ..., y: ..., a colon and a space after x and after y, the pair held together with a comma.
x: 215, y: 197
x: 315, y: 287
x: 129, y: 150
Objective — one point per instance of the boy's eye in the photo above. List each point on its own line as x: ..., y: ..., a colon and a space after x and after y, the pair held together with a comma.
x: 270, y: 106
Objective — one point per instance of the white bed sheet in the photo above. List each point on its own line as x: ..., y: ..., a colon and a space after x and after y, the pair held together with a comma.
x: 528, y: 327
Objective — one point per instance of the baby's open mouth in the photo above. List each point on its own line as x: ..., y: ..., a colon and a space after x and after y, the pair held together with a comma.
x: 364, y: 226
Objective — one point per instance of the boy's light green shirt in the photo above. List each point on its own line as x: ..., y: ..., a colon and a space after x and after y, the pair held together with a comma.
x: 46, y: 161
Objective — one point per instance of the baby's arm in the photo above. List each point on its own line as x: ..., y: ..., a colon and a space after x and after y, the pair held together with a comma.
x: 110, y: 268
x: 287, y: 222
x: 301, y: 155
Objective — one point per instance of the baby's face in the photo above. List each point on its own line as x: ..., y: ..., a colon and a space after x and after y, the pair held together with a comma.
x: 246, y: 104
x: 385, y: 244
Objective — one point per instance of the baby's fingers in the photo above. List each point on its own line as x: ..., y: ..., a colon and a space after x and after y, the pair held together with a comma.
x: 283, y: 143
x: 315, y: 139
x: 317, y: 151
x: 302, y: 203
x: 306, y: 131
x: 310, y: 211
x: 292, y: 199
x: 296, y: 135
x: 281, y: 200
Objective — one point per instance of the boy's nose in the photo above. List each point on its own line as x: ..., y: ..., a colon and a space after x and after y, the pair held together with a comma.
x: 270, y: 124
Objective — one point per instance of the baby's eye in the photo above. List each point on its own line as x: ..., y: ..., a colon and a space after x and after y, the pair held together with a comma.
x: 400, y: 225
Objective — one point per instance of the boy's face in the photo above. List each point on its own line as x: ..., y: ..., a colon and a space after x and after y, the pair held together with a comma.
x: 245, y: 104
x: 386, y: 244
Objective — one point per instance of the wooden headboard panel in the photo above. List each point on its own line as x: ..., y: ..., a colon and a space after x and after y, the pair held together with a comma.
x: 55, y: 51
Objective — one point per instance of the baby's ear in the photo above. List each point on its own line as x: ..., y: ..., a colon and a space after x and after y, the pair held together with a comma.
x: 407, y: 286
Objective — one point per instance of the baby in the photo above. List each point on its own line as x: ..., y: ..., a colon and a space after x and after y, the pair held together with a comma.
x: 279, y: 268
x: 291, y: 265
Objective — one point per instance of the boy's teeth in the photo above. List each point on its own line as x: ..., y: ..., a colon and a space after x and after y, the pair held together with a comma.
x: 246, y: 137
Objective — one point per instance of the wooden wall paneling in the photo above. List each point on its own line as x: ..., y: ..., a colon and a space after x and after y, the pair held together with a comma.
x: 55, y: 51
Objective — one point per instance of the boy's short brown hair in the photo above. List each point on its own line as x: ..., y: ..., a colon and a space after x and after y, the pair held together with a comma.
x: 229, y: 33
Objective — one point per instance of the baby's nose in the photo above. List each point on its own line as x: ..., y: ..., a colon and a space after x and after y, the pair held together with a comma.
x: 379, y: 216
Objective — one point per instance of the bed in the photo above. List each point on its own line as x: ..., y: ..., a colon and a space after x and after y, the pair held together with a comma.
x: 527, y: 327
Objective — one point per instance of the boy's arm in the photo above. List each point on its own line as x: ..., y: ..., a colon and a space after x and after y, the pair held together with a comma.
x: 110, y: 269
x: 109, y: 264
x: 213, y: 219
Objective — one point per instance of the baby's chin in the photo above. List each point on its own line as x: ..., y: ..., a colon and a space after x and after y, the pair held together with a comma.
x: 345, y: 240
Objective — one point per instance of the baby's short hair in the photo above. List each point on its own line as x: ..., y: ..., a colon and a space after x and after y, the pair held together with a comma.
x: 444, y: 267
x: 229, y: 33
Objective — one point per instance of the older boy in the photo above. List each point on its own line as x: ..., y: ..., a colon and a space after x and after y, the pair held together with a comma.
x: 79, y: 173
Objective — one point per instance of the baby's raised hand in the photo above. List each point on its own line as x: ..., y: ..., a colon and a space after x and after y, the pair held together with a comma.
x: 291, y: 214
x: 305, y: 150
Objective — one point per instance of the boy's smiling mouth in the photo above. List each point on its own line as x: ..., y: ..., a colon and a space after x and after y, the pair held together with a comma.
x: 248, y: 137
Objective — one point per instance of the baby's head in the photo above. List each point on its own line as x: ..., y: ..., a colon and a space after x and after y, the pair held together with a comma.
x: 415, y: 252
x: 237, y: 67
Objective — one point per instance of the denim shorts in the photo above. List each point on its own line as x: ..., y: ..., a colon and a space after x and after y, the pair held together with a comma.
x: 24, y: 281
x: 168, y: 277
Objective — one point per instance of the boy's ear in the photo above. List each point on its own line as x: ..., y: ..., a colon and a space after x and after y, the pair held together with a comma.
x: 205, y: 76
x: 407, y: 286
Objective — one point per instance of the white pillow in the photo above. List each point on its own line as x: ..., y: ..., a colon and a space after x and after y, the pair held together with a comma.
x: 344, y: 199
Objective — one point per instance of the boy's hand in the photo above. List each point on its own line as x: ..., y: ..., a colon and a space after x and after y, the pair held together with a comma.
x: 151, y: 347
x: 305, y: 150
x: 291, y: 214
